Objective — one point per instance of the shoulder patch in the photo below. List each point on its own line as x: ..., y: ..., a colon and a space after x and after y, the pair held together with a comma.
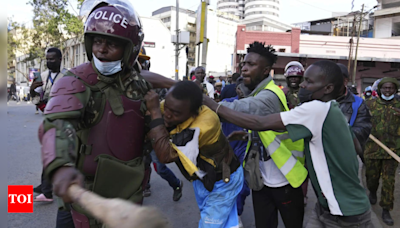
x: 63, y: 103
x: 86, y: 73
x: 67, y: 85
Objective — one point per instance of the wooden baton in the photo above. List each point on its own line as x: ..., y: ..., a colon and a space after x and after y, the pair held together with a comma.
x: 389, y: 151
x: 117, y: 213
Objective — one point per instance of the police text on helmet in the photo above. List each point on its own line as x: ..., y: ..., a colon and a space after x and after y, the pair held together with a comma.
x: 116, y: 18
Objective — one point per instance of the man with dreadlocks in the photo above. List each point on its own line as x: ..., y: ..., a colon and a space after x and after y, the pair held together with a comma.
x: 274, y: 164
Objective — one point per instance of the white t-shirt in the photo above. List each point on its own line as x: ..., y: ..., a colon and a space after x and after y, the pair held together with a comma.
x: 272, y: 176
x: 210, y: 89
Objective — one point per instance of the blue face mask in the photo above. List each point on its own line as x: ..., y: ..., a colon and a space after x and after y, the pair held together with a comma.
x: 107, y: 68
x: 387, y: 98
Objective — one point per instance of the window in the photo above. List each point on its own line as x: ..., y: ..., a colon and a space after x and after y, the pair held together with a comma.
x: 366, y: 64
x: 77, y: 54
x: 395, y: 65
x: 166, y: 20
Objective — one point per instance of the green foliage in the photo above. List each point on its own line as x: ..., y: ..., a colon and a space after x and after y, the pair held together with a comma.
x: 53, y: 26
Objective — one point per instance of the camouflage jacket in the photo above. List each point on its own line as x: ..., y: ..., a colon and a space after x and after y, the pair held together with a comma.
x: 291, y: 97
x: 385, y: 127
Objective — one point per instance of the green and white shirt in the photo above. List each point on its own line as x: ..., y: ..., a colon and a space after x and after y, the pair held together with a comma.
x: 330, y: 155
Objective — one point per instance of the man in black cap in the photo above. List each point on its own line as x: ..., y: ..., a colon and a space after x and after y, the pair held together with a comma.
x: 355, y: 110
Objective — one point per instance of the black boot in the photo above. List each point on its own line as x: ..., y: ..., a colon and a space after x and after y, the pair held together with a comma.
x: 373, y: 198
x: 387, y: 218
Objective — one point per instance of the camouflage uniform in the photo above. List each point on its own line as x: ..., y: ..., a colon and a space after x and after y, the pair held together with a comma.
x: 386, y: 128
x: 292, y: 99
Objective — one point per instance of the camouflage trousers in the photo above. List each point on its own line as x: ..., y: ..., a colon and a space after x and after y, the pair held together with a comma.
x: 375, y: 168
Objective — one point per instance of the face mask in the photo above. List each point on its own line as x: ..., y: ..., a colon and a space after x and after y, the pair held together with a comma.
x: 52, y: 66
x: 305, y: 95
x: 387, y: 98
x: 368, y: 94
x: 107, y: 68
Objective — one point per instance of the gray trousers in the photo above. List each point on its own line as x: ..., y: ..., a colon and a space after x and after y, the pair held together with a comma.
x: 320, y: 218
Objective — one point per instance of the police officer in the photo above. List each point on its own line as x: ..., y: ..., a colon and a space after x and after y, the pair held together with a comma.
x: 294, y: 76
x: 93, y: 130
x: 385, y: 127
x: 368, y: 93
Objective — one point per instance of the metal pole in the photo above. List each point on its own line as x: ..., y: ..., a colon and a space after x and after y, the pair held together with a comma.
x: 358, y: 41
x: 351, y: 44
x: 205, y: 42
x: 350, y: 54
x: 198, y: 54
x: 177, y: 42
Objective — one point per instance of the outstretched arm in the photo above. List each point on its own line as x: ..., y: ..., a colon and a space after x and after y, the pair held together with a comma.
x: 251, y: 122
x: 157, y: 80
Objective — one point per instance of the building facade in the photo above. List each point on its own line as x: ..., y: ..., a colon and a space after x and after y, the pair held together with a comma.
x: 387, y: 19
x: 187, y: 22
x: 221, y: 33
x: 377, y: 58
x: 345, y: 24
x: 235, y: 7
x: 250, y: 9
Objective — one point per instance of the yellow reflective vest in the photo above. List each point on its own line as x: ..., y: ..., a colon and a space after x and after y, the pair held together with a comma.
x: 287, y: 155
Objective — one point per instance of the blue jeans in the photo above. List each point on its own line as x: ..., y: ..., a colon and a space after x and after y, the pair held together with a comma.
x: 164, y: 171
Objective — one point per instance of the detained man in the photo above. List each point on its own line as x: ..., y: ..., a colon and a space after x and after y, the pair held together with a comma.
x: 184, y: 131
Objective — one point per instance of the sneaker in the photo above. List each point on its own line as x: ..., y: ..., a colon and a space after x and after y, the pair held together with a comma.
x: 38, y: 189
x: 146, y: 192
x: 37, y: 112
x: 178, y: 192
x: 42, y: 198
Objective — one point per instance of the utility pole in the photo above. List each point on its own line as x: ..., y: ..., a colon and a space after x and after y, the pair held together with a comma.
x: 351, y: 43
x: 177, y: 42
x: 205, y: 41
x: 358, y: 41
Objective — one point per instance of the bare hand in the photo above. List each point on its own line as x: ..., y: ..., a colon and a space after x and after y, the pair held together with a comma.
x: 35, y: 85
x: 63, y: 178
x: 152, y: 101
x: 238, y: 136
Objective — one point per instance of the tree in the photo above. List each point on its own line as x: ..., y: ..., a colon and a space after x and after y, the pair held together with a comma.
x: 18, y: 39
x: 53, y: 25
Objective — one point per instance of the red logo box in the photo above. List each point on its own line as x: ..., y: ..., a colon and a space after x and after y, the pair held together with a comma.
x: 20, y: 199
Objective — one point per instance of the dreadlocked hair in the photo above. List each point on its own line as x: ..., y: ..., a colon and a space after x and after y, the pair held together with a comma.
x: 267, y: 52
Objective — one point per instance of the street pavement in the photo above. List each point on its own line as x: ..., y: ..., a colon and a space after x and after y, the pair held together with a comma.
x: 24, y: 168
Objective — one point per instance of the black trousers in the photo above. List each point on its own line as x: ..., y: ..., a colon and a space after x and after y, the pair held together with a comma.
x: 47, y: 187
x: 64, y: 219
x: 288, y: 200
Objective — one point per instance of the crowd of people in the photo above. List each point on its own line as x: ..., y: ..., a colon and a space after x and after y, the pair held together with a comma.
x: 108, y: 119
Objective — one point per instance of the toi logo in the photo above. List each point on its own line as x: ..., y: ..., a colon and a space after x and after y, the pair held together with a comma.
x: 20, y: 199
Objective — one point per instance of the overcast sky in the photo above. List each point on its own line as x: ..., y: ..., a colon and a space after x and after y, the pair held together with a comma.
x: 291, y: 11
